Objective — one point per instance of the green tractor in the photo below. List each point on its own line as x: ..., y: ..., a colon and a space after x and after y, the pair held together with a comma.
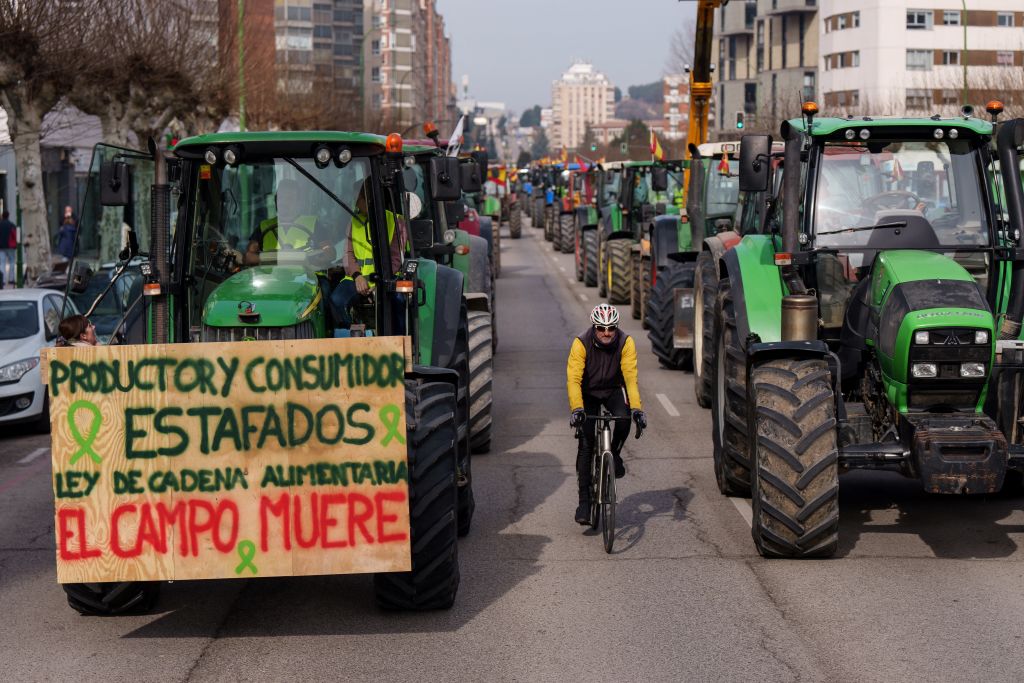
x: 215, y: 277
x: 881, y: 329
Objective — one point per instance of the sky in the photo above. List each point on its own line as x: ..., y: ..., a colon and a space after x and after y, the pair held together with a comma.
x: 512, y: 49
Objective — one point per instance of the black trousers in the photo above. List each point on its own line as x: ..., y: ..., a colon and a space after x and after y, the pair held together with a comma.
x: 617, y: 406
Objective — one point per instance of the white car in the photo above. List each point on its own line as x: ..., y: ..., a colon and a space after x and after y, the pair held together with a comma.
x: 29, y: 319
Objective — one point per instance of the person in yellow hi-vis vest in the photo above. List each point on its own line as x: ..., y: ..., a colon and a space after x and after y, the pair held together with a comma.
x: 288, y: 229
x: 359, y: 265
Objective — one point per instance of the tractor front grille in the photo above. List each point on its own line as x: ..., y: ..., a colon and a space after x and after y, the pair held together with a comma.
x: 303, y: 330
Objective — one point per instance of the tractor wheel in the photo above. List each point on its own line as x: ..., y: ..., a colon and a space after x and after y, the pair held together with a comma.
x: 705, y: 289
x: 549, y: 223
x: 112, y: 599
x: 538, y: 213
x: 729, y: 404
x: 567, y: 227
x: 461, y: 364
x: 590, y: 258
x: 496, y: 248
x: 515, y: 222
x: 635, y: 292
x: 602, y: 268
x: 578, y: 255
x: 481, y: 374
x: 645, y: 290
x: 619, y: 271
x: 796, y: 474
x: 433, y: 518
x: 661, y: 314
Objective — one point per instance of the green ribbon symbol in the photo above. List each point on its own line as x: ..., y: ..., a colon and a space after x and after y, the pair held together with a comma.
x: 85, y: 441
x: 246, y: 551
x: 391, y: 416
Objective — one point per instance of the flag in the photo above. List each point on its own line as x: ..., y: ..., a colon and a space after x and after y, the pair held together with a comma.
x: 897, y: 170
x: 723, y: 165
x: 455, y: 141
x: 565, y: 156
x: 656, y: 152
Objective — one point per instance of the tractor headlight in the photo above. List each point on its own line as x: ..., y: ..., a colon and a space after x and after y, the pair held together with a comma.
x: 921, y: 337
x: 211, y: 156
x: 14, y: 371
x: 972, y: 369
x: 448, y: 236
x: 981, y: 337
x: 924, y: 370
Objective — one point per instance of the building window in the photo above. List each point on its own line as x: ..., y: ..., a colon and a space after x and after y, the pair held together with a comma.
x: 919, y: 19
x: 750, y: 13
x: 750, y: 98
x: 375, y: 47
x: 760, y: 46
x: 1004, y: 58
x: 918, y: 99
x: 1004, y: 19
x: 855, y: 21
x: 808, y: 86
x: 841, y: 22
x: 375, y: 74
x: 950, y: 57
x: 951, y: 17
x: 949, y: 97
x: 919, y: 60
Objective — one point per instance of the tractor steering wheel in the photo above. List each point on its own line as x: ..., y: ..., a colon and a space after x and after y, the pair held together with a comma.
x: 896, y: 199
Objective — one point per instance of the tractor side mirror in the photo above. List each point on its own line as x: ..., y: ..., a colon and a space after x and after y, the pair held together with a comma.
x: 422, y: 231
x: 454, y: 212
x: 659, y: 179
x: 755, y: 158
x: 115, y: 183
x: 470, y: 177
x: 445, y: 179
x: 81, y: 273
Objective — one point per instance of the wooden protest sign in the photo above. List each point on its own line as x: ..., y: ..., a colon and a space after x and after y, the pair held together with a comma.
x: 229, y: 460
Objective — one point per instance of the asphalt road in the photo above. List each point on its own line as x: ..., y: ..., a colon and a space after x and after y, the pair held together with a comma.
x: 924, y: 588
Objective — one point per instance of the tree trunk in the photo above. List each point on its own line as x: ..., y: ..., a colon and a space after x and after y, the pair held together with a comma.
x: 25, y: 122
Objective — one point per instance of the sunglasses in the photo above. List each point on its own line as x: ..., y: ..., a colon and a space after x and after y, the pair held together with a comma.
x: 605, y: 328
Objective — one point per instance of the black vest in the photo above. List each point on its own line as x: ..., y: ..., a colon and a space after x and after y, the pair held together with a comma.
x: 602, y: 375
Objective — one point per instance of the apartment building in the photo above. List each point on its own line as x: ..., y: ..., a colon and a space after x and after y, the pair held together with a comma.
x: 908, y: 56
x: 582, y: 96
x: 675, y: 106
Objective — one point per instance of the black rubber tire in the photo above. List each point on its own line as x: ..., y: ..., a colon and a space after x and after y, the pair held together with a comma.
x: 538, y: 213
x: 112, y: 599
x: 590, y: 270
x: 705, y: 290
x: 731, y: 452
x: 433, y: 519
x: 578, y: 256
x: 496, y: 248
x: 645, y: 290
x: 619, y: 271
x: 549, y: 222
x: 515, y: 222
x: 556, y: 232
x: 796, y: 482
x: 661, y: 314
x: 481, y: 375
x: 635, y: 295
x: 41, y: 425
x: 602, y: 268
x: 460, y: 363
x: 567, y: 227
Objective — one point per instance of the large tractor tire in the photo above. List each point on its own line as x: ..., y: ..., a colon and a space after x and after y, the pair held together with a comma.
x: 578, y: 255
x: 590, y: 270
x: 602, y: 268
x: 705, y: 290
x: 481, y: 374
x: 549, y: 222
x: 460, y: 363
x: 567, y: 227
x: 515, y: 222
x: 433, y: 498
x: 619, y: 272
x: 112, y: 599
x: 538, y: 213
x: 661, y: 314
x: 644, y: 273
x: 729, y: 404
x: 636, y: 291
x: 796, y: 474
x: 496, y: 247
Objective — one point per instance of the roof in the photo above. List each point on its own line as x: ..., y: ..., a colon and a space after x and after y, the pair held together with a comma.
x: 27, y: 293
x: 828, y: 125
x: 312, y: 136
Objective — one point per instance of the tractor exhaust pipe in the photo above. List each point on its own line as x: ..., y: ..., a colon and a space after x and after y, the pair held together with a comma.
x: 160, y: 227
x: 790, y: 207
x: 1009, y: 138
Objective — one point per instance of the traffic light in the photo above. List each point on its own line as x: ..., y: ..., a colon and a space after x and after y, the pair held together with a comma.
x: 593, y: 146
x: 739, y: 120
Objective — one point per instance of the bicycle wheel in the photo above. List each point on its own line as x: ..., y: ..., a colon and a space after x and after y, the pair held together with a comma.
x: 608, y: 503
x: 595, y: 491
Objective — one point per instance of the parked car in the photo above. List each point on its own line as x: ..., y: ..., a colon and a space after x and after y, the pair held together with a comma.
x: 29, y: 319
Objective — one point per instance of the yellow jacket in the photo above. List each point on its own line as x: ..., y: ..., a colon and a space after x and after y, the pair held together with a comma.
x: 578, y: 363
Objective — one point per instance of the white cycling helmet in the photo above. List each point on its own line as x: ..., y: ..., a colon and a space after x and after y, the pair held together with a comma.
x: 605, y: 315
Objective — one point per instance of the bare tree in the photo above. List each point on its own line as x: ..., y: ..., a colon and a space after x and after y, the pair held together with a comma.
x: 680, y: 48
x: 40, y: 58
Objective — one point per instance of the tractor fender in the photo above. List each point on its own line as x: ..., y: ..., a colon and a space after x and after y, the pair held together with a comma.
x: 433, y: 373
x: 478, y: 301
x: 721, y: 243
x: 447, y: 311
x: 582, y: 214
x: 665, y: 240
x: 479, y: 265
x: 756, y: 285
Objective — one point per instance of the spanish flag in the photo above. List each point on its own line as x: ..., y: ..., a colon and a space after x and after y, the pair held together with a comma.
x: 723, y: 165
x: 656, y: 151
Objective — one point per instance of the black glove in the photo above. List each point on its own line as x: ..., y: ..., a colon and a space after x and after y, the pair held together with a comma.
x: 578, y: 418
x: 640, y: 418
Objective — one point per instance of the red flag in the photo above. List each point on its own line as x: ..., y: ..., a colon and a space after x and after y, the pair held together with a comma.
x: 656, y: 152
x: 723, y: 165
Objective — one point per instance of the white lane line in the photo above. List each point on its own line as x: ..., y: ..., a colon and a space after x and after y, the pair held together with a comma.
x: 561, y: 268
x: 743, y: 507
x: 33, y: 455
x: 667, y: 405
x: 583, y: 296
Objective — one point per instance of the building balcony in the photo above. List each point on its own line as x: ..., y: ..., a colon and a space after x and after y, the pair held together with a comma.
x: 790, y: 6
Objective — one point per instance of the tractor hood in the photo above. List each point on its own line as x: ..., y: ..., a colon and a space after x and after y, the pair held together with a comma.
x: 273, y: 296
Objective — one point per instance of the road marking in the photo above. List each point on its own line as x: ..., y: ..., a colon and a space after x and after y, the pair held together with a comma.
x: 561, y: 268
x: 667, y: 405
x: 33, y: 455
x: 743, y: 507
x: 583, y: 296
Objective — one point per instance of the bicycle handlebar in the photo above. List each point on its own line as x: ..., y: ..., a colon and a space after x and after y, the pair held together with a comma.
x: 609, y: 418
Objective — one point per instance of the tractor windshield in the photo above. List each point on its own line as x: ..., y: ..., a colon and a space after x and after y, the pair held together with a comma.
x: 723, y: 186
x: 932, y: 184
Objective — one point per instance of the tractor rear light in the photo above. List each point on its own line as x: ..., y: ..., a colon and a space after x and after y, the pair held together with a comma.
x: 783, y: 258
x: 981, y: 336
x: 151, y: 289
x: 921, y: 337
x: 405, y: 286
x: 972, y: 369
x: 462, y: 249
x: 924, y: 370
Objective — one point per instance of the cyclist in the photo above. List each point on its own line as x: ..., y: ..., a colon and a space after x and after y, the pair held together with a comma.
x: 602, y: 372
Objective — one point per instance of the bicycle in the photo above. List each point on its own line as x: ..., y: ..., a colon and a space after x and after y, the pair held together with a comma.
x: 602, y: 475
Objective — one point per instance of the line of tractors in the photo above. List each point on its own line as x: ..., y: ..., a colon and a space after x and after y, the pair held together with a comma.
x: 862, y: 311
